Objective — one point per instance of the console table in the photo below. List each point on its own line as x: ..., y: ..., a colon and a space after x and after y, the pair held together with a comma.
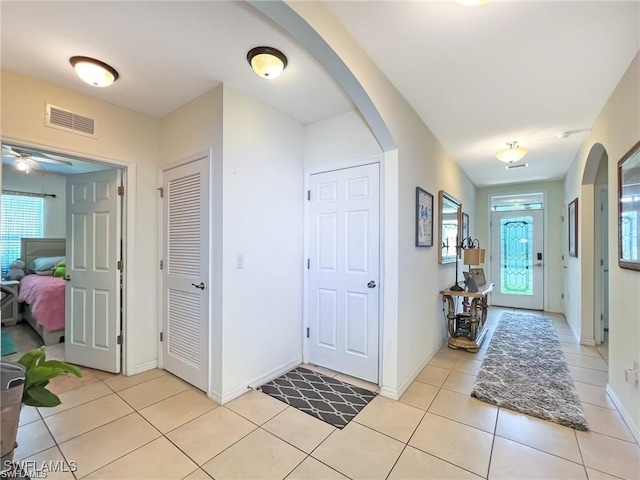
x: 467, y: 327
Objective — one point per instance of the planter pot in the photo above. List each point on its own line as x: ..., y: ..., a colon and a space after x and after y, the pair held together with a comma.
x: 12, y: 377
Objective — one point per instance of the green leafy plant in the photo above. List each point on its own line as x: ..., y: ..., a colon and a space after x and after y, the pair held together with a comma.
x: 39, y: 371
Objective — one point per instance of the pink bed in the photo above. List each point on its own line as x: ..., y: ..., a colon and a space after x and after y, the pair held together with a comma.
x: 45, y: 296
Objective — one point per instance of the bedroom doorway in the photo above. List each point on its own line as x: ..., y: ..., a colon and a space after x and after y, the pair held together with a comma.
x: 95, y: 246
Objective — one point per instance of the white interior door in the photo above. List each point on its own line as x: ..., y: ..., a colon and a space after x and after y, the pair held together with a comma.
x: 344, y: 217
x: 92, y: 300
x: 185, y: 274
x: 517, y: 259
x: 604, y: 232
x: 565, y: 271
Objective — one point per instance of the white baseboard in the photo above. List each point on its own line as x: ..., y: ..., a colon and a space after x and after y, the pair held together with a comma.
x: 143, y: 367
x: 588, y: 342
x: 215, y: 396
x: 256, y: 382
x: 635, y: 431
x: 396, y: 393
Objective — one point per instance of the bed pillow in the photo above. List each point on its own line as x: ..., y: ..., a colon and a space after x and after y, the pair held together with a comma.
x: 42, y: 264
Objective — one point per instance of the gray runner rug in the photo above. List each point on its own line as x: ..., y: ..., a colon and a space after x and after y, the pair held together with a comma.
x: 524, y: 370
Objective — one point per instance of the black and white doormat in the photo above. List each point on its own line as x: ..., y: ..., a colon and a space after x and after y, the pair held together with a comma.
x: 323, y: 397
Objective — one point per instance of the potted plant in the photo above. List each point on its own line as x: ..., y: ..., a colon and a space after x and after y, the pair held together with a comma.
x: 29, y: 379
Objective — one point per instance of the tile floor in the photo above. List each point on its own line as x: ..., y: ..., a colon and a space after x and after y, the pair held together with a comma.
x: 155, y: 426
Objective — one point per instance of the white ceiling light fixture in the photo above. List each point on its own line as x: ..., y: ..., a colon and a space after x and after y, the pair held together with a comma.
x: 267, y: 62
x: 94, y: 72
x: 512, y: 154
x: 22, y: 165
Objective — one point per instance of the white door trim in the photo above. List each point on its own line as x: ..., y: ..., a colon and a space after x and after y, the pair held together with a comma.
x: 208, y: 155
x: 376, y: 159
x: 598, y: 277
x: 533, y: 301
x: 129, y: 176
x: 545, y: 238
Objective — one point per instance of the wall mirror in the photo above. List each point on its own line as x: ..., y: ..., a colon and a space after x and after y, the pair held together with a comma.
x: 629, y: 209
x: 450, y: 220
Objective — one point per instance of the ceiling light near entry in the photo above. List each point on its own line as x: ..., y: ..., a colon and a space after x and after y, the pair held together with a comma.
x: 267, y: 62
x: 511, y: 154
x: 94, y: 72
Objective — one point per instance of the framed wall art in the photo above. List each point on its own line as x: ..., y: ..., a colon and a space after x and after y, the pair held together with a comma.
x: 573, y: 228
x: 629, y: 209
x: 424, y: 218
x: 465, y: 226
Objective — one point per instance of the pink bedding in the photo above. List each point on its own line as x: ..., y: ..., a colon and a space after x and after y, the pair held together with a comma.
x: 45, y: 296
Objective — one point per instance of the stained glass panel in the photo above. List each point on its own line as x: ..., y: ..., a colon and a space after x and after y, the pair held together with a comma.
x: 516, y: 256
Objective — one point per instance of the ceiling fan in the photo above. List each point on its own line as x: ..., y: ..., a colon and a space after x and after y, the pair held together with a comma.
x: 26, y: 160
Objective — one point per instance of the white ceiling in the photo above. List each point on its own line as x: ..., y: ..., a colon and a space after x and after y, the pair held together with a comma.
x: 504, y: 71
x: 478, y: 76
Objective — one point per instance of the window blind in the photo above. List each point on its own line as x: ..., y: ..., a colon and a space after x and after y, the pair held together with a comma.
x: 22, y: 216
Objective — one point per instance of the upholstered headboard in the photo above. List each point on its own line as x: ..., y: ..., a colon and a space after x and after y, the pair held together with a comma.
x: 42, y: 247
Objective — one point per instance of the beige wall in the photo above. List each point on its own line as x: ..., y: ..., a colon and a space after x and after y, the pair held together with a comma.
x: 617, y: 129
x: 125, y: 137
x: 553, y: 246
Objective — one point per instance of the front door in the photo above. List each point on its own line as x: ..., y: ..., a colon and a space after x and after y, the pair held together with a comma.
x: 344, y: 271
x: 517, y: 259
x: 185, y: 274
x: 92, y: 300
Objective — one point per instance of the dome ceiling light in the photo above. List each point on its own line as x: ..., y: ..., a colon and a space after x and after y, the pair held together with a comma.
x: 94, y: 72
x: 512, y: 154
x: 267, y: 62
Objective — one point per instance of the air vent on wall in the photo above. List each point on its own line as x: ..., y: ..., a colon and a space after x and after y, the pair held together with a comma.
x: 61, y: 119
x: 522, y: 165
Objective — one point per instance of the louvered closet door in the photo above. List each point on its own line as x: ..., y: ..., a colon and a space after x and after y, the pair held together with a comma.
x: 185, y: 274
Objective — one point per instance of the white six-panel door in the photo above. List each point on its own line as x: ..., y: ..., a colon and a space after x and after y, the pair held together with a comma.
x: 185, y: 274
x: 344, y: 271
x: 92, y: 302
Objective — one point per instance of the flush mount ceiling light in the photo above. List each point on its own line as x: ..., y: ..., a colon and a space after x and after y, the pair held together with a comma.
x: 511, y: 154
x: 267, y: 62
x: 94, y: 72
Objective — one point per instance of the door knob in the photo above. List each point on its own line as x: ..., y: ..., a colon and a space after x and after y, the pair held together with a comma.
x: 371, y: 284
x: 67, y: 278
x: 537, y: 264
x: 200, y: 286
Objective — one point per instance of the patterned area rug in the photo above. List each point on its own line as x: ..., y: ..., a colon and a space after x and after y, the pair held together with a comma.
x: 323, y: 397
x: 524, y: 370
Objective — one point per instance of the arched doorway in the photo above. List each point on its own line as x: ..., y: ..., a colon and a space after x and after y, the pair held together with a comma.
x: 594, y: 227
